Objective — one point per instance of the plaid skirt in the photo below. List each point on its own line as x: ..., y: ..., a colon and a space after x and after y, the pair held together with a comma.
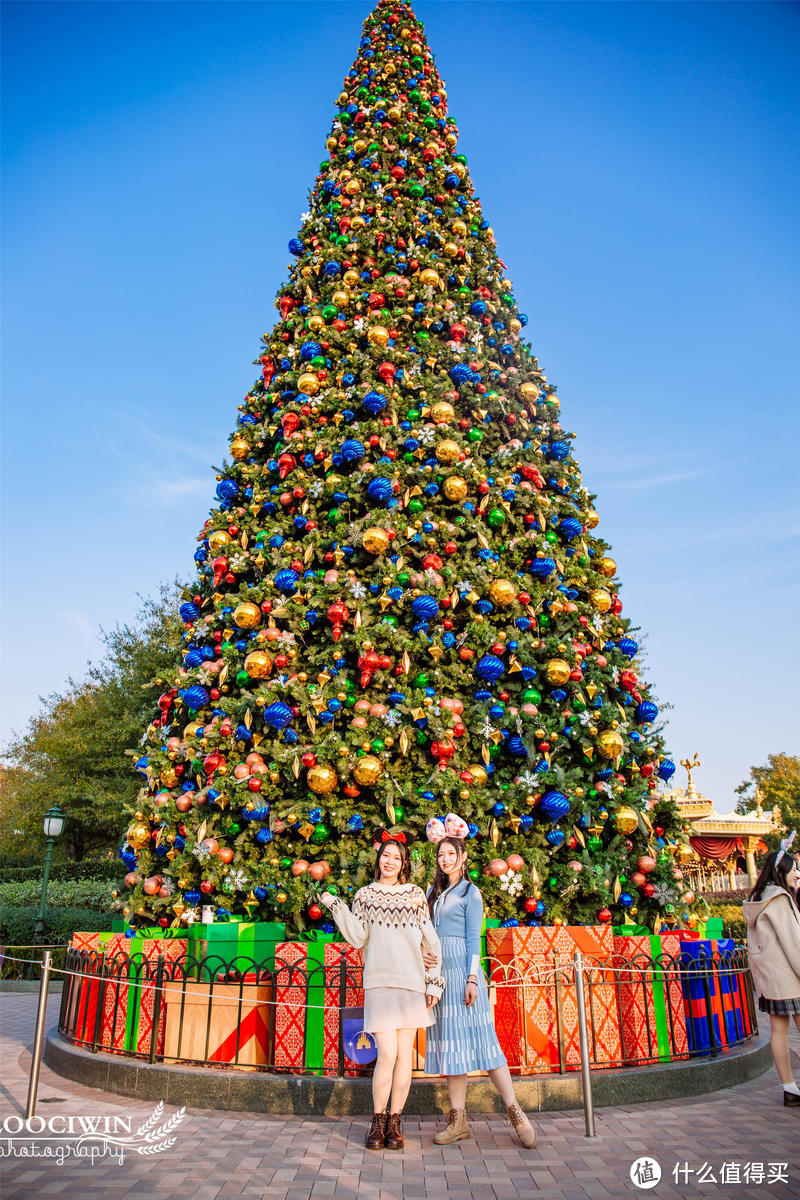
x: 779, y: 1008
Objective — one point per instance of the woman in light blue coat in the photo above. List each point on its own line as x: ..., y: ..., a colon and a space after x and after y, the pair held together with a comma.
x: 463, y: 1038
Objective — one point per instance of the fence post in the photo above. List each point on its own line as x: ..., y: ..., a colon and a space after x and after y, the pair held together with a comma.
x: 101, y: 992
x: 342, y: 1000
x: 586, y: 1071
x: 156, y: 1007
x: 36, y: 1058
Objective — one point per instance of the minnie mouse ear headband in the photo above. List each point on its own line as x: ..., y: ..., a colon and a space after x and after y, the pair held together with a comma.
x: 786, y: 847
x: 451, y: 826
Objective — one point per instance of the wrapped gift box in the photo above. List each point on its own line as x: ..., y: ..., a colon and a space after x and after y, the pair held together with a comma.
x: 334, y: 955
x: 300, y: 1003
x: 255, y: 941
x: 219, y: 1022
x: 710, y: 963
x: 651, y: 998
x: 522, y: 963
x: 130, y: 992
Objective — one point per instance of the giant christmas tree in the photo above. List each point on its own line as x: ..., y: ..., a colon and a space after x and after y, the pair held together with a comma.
x: 402, y: 606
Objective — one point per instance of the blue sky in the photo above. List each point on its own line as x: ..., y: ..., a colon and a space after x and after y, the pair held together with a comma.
x: 639, y: 165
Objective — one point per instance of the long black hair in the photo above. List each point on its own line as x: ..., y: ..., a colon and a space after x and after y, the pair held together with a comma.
x: 442, y: 881
x: 776, y: 868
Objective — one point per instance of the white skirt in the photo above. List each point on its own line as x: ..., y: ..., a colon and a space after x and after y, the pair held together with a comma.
x: 389, y: 1008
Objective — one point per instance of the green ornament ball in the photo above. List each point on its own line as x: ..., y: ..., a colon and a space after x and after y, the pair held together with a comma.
x: 531, y: 696
x: 320, y: 833
x: 286, y: 863
x: 497, y: 518
x: 474, y: 874
x: 399, y: 812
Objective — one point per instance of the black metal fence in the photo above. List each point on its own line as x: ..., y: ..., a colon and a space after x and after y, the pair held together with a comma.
x: 305, y: 1019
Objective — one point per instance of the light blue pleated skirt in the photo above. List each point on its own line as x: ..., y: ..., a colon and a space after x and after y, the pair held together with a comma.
x: 461, y: 1039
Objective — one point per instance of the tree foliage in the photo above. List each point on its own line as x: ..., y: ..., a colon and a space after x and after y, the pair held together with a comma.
x: 77, y: 749
x: 778, y: 781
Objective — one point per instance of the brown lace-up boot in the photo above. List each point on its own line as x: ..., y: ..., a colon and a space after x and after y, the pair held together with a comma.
x: 456, y: 1130
x: 524, y: 1130
x: 394, y: 1134
x: 376, y: 1138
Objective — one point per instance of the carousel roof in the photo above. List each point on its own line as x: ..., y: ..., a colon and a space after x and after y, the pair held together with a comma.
x: 698, y: 811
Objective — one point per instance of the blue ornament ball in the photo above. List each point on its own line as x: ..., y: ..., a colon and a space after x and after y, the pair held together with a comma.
x: 195, y: 697
x: 425, y: 608
x: 646, y: 711
x: 374, y: 403
x: 490, y: 667
x: 625, y: 900
x: 554, y: 837
x: 277, y: 716
x: 666, y: 770
x: 554, y: 805
x: 286, y: 581
x: 352, y: 451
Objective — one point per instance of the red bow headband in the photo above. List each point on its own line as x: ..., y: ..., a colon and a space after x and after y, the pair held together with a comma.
x: 392, y: 837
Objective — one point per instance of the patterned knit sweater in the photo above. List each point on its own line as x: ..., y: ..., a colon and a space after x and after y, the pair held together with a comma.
x: 391, y: 924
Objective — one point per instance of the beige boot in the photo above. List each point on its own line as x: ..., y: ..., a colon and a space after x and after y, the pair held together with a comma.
x: 525, y: 1131
x: 456, y: 1129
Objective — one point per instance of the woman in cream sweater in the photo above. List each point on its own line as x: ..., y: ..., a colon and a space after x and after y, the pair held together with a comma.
x: 391, y: 923
x: 773, y: 942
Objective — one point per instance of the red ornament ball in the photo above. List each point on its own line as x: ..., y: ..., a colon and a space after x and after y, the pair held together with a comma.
x: 314, y: 911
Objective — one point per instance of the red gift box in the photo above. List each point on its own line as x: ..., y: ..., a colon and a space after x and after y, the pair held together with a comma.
x: 290, y: 1004
x: 353, y: 998
x: 531, y: 968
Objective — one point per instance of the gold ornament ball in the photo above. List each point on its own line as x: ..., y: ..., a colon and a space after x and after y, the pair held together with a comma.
x: 514, y: 325
x: 340, y: 298
x: 368, y: 770
x: 607, y: 567
x: 459, y: 228
x: 168, y: 777
x: 315, y: 323
x: 353, y: 187
x: 455, y: 488
x: 502, y: 593
x: 429, y: 277
x: 351, y: 278
x: 138, y: 835
x: 281, y: 897
x: 308, y: 383
x: 218, y: 540
x: 378, y: 335
x: 247, y: 615
x: 479, y: 776
x: 626, y: 819
x: 591, y: 519
x: 240, y: 447
x: 684, y: 852
x: 442, y: 412
x: 258, y: 664
x: 375, y: 540
x: 528, y: 392
x: 448, y: 451
x: 609, y: 743
x: 322, y: 778
x: 601, y: 600
x: 557, y: 671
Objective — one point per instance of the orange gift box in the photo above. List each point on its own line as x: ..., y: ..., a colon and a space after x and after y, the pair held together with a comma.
x: 531, y: 970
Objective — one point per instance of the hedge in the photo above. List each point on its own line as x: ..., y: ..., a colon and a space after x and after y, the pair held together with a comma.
x: 87, y: 868
x: 94, y: 894
x: 17, y: 922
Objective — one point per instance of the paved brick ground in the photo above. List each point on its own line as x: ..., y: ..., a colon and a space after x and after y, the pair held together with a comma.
x: 216, y: 1156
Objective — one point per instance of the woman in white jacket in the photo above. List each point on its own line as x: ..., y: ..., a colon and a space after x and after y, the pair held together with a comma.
x: 773, y: 942
x: 391, y: 923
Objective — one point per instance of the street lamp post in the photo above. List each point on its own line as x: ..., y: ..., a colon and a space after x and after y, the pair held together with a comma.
x: 53, y: 827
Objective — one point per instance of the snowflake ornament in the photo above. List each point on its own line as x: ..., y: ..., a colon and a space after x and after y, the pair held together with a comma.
x: 511, y: 882
x: 664, y: 894
x: 201, y: 851
x: 237, y: 880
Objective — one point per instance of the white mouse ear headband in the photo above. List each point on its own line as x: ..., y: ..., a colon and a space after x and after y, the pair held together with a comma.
x: 786, y: 847
x: 451, y: 826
